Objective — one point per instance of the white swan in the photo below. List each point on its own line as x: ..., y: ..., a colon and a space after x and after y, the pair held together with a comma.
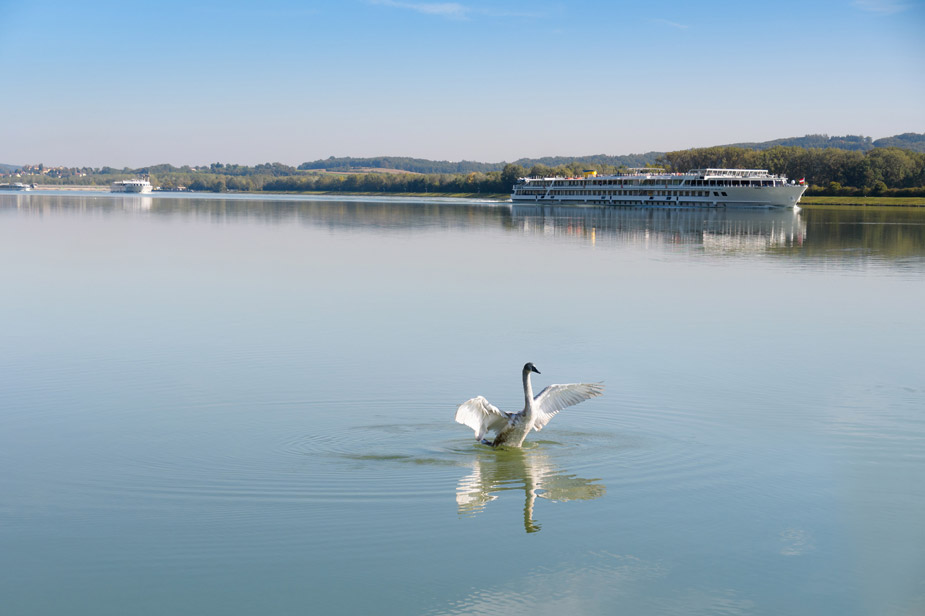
x: 511, y: 428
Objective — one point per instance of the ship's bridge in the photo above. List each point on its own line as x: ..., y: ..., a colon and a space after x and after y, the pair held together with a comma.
x: 730, y: 173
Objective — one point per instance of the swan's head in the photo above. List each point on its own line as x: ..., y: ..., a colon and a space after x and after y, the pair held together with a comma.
x: 529, y: 367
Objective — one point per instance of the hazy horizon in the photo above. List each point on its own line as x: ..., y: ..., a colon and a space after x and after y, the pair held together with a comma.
x: 199, y: 82
x: 296, y: 164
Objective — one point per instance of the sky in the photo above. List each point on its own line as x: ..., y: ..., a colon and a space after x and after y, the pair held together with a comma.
x: 196, y: 82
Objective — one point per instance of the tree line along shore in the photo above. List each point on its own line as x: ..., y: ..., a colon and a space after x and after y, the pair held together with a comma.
x: 885, y: 172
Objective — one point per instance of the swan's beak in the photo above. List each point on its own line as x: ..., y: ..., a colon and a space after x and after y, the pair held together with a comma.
x: 535, y: 370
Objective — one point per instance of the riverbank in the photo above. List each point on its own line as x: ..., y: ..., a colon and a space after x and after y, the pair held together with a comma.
x: 72, y: 187
x: 432, y: 195
x: 326, y: 193
x: 862, y: 201
x: 805, y: 202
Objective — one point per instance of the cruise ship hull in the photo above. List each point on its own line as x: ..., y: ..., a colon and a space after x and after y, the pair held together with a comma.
x: 778, y: 196
x: 136, y: 189
x: 701, y: 188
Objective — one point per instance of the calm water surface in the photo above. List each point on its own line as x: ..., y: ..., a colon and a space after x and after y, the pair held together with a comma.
x: 245, y: 406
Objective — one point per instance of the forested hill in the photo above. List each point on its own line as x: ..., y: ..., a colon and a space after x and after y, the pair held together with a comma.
x: 629, y: 160
x: 848, y: 142
x: 402, y: 163
x: 881, y: 171
x: 421, y: 165
x: 906, y: 141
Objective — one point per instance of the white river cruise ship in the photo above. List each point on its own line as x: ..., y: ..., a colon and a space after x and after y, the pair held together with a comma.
x: 132, y: 186
x: 655, y: 187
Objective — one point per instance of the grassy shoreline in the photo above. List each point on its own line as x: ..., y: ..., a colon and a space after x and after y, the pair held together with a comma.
x: 805, y: 202
x: 862, y: 202
x: 328, y: 193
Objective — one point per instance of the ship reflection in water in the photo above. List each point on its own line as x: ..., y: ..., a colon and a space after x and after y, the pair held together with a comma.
x: 135, y: 203
x: 716, y: 230
x: 528, y: 469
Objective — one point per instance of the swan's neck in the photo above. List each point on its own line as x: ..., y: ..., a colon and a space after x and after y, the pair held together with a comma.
x: 528, y: 393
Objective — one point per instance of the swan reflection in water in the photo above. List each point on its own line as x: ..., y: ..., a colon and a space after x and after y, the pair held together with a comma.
x: 529, y: 469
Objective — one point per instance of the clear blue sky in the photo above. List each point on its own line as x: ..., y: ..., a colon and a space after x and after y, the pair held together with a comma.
x: 193, y: 82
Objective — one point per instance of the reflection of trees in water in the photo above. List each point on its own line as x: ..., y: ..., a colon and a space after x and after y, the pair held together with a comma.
x: 341, y: 212
x: 887, y: 233
x: 530, y: 470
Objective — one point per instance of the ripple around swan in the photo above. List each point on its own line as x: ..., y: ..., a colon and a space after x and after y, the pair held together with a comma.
x: 633, y: 442
x: 595, y: 438
x: 256, y: 462
x: 257, y: 457
x: 431, y: 460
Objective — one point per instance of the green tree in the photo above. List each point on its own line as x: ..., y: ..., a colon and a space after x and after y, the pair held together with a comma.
x: 510, y: 174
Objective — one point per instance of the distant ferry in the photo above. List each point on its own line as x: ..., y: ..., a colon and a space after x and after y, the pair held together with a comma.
x: 16, y: 186
x: 131, y: 186
x: 656, y: 187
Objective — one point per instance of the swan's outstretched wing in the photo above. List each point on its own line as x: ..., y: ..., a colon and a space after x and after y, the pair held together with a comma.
x: 482, y: 416
x: 557, y: 397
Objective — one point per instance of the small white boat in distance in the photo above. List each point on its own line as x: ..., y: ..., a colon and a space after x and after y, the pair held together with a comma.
x: 16, y: 186
x: 142, y: 186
